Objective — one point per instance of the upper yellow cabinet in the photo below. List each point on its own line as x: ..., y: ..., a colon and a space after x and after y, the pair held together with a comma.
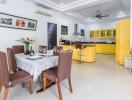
x: 102, y: 33
x: 91, y: 34
x: 109, y: 33
x: 97, y: 34
x: 106, y: 33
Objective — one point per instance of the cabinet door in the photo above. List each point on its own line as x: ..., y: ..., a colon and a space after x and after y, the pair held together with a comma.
x: 91, y: 34
x: 102, y: 33
x: 109, y: 33
x: 96, y: 34
x: 114, y: 33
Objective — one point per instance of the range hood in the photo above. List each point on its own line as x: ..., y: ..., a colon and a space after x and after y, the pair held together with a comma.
x: 75, y: 29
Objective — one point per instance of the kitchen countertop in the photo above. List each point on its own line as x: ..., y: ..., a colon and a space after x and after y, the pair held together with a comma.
x: 90, y: 43
x: 95, y: 43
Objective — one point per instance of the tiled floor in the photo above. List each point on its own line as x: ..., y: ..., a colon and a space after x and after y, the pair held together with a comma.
x: 102, y: 80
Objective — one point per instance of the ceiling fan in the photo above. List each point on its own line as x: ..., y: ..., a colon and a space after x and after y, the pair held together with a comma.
x: 100, y: 15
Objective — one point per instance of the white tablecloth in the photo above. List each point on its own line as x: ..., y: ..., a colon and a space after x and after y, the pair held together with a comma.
x: 35, y: 67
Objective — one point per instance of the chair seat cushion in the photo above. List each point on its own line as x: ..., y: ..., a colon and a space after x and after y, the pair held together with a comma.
x: 19, y: 77
x: 50, y: 74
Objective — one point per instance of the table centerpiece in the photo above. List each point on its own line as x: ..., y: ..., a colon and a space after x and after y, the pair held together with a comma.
x: 27, y: 41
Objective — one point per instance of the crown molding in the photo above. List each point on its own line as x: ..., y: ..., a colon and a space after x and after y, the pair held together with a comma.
x: 68, y: 8
x: 71, y: 6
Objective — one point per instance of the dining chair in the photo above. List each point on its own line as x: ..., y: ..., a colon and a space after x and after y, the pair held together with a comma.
x: 8, y: 79
x: 61, y: 72
x: 18, y: 49
x: 57, y: 49
x: 12, y: 63
x: 43, y: 48
x: 11, y: 60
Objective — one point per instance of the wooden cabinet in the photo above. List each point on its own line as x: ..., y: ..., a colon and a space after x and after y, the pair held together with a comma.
x: 106, y: 33
x: 122, y: 40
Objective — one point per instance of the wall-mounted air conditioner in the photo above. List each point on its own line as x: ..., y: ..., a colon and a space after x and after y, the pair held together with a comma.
x: 2, y: 1
x: 44, y: 11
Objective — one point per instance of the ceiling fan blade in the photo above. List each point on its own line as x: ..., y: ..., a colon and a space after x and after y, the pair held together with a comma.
x: 105, y: 15
x: 100, y: 17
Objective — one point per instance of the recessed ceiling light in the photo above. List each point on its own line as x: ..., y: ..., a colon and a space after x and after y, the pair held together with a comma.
x: 92, y: 19
x: 62, y: 4
x: 121, y: 14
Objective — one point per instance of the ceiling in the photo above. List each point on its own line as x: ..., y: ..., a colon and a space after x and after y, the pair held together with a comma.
x: 65, y: 2
x: 85, y: 10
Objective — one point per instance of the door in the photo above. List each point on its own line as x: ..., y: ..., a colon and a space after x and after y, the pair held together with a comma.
x: 52, y: 35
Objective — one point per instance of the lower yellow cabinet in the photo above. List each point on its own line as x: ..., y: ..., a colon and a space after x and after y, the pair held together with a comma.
x: 88, y: 54
x: 105, y: 48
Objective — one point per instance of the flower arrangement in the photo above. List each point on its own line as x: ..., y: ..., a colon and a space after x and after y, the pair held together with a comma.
x: 26, y: 41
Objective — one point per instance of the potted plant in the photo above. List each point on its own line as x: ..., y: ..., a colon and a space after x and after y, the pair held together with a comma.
x: 27, y: 41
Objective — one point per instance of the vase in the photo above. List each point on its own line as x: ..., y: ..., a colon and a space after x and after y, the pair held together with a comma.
x: 27, y: 50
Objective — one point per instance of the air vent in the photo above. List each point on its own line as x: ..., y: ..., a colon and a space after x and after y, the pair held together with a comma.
x: 44, y: 11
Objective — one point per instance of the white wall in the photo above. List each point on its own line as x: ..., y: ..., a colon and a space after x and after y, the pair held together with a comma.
x: 98, y: 26
x: 26, y: 9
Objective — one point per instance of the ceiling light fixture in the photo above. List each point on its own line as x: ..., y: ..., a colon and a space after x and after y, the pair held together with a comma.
x: 62, y: 4
x: 121, y: 14
x: 90, y: 19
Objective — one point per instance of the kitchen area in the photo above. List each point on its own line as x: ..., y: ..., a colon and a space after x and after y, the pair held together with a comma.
x: 106, y: 39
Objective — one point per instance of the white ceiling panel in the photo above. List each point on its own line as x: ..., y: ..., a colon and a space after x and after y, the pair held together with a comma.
x: 105, y: 8
x: 87, y: 9
x: 63, y: 1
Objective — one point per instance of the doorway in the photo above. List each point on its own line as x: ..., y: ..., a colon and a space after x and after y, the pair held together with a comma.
x: 52, y: 35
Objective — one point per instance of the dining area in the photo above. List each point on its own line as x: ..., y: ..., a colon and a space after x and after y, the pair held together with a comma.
x: 22, y: 66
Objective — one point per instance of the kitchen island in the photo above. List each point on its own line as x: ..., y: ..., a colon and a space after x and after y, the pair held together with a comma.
x: 86, y: 54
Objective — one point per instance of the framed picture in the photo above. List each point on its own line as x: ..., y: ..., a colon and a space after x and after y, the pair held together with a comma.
x: 64, y: 30
x: 16, y: 22
x: 82, y: 32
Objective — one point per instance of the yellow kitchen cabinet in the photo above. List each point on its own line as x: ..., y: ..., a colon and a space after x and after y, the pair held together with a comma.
x: 102, y: 33
x: 122, y: 40
x: 91, y: 34
x: 88, y: 54
x: 97, y: 34
x: 109, y: 33
x: 105, y: 48
x: 76, y: 55
x: 69, y: 47
x: 114, y: 33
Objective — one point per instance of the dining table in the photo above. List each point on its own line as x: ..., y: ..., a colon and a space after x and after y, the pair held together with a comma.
x: 36, y: 64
